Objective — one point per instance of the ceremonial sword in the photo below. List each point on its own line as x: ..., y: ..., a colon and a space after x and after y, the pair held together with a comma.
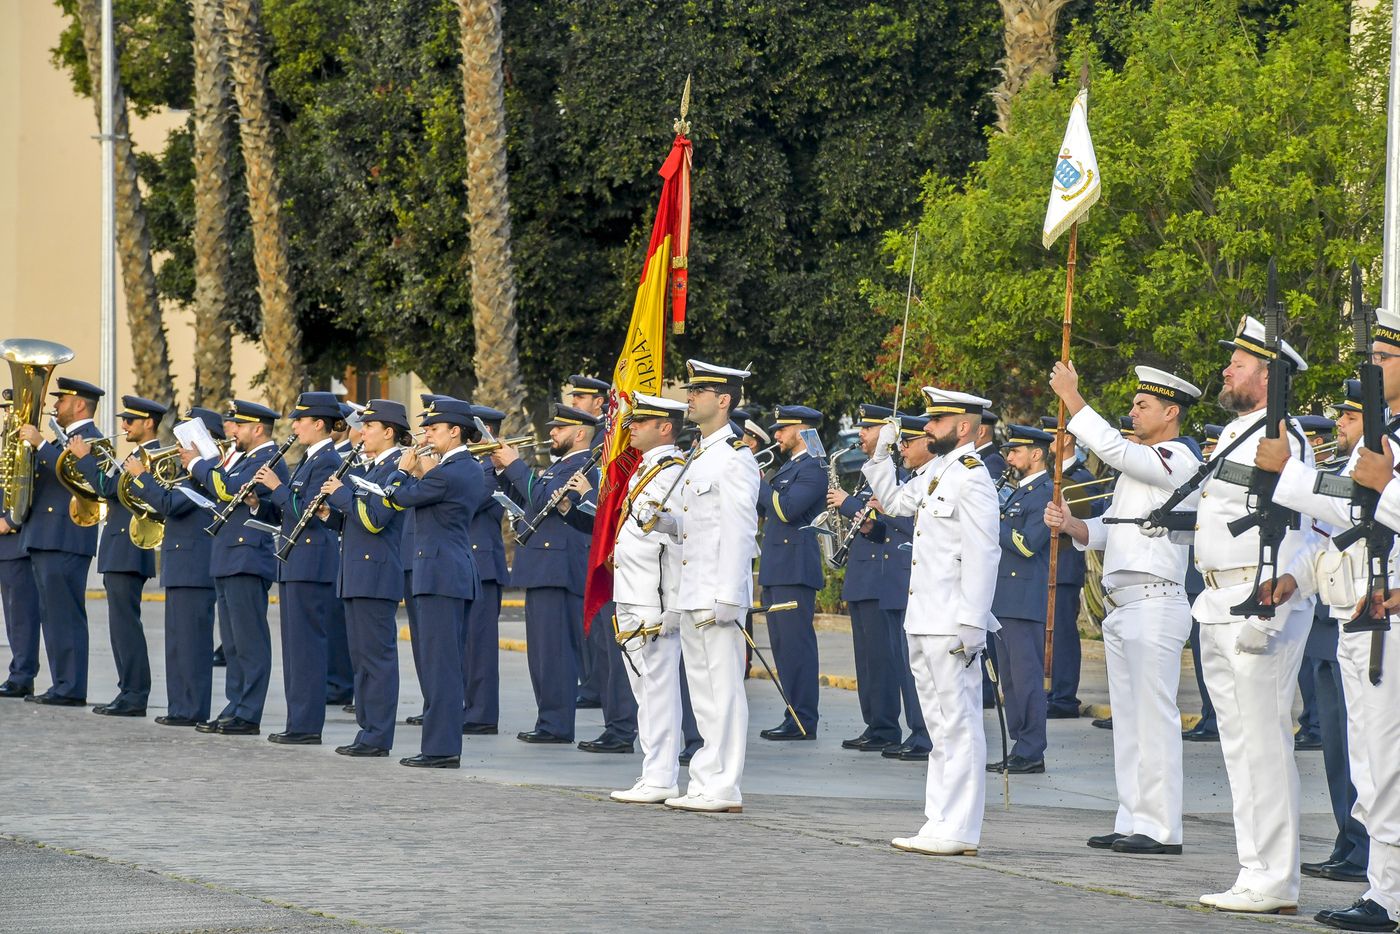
x: 773, y: 675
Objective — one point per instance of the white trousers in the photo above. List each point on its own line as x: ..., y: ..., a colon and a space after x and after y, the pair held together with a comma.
x: 1373, y: 737
x: 1142, y: 642
x: 714, y: 670
x: 1253, y: 697
x: 950, y: 695
x: 657, y: 686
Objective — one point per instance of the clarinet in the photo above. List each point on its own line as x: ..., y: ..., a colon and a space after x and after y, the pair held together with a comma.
x: 223, y: 515
x: 531, y: 527
x: 842, y: 554
x: 315, y: 504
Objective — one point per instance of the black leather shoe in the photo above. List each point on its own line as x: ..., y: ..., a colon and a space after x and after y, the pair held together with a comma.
x: 11, y: 689
x: 1364, y: 915
x: 209, y: 726
x: 876, y: 745
x: 855, y: 743
x: 1062, y: 713
x: 893, y: 752
x: 606, y: 743
x: 1201, y: 734
x: 787, y: 733
x: 219, y: 660
x: 1314, y: 869
x: 1305, y: 741
x: 56, y: 700
x: 1343, y: 871
x: 341, y: 700
x: 362, y: 751
x: 1103, y: 723
x: 541, y: 736
x: 348, y: 708
x: 295, y: 739
x: 415, y: 720
x: 584, y: 703
x: 237, y: 726
x: 996, y: 766
x: 1020, y: 765
x: 432, y: 762
x: 177, y: 721
x: 119, y: 710
x: 1105, y: 841
x: 1141, y: 843
x: 914, y: 754
x: 479, y: 729
x: 686, y: 755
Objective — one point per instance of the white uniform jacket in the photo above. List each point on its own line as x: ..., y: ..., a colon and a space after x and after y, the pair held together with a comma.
x: 718, y: 525
x: 647, y: 566
x: 1234, y: 558
x: 957, y: 525
x: 1148, y: 474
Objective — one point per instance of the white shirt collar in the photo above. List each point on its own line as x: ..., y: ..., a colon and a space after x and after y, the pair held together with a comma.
x: 657, y: 453
x: 384, y: 455
x: 311, y: 451
x: 1025, y: 480
x: 74, y: 426
x: 265, y: 444
x: 449, y: 454
x: 720, y: 435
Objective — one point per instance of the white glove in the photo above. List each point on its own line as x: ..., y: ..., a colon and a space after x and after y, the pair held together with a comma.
x: 1153, y: 531
x: 730, y: 613
x: 889, y: 434
x: 670, y: 622
x: 664, y: 522
x: 1253, y: 640
x: 973, y: 638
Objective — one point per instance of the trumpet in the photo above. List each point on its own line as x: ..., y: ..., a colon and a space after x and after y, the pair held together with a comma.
x: 521, y: 442
x: 765, y: 457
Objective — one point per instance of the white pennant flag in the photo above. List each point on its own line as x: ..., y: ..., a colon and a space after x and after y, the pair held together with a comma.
x: 1077, y: 184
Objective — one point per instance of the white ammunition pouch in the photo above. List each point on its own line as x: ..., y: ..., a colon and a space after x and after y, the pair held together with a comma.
x: 1339, y: 578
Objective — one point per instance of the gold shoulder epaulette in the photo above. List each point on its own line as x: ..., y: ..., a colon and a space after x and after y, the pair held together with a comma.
x: 737, y: 444
x: 672, y: 462
x: 970, y: 462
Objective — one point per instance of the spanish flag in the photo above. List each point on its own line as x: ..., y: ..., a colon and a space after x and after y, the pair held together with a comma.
x: 639, y: 365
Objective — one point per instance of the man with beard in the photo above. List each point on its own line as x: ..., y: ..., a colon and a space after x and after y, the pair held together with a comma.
x: 1251, y: 663
x: 1149, y: 617
x: 595, y: 677
x: 952, y: 583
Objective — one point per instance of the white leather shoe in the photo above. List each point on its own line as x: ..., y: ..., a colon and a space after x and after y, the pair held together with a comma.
x: 699, y: 802
x: 1249, y: 901
x: 642, y: 793
x: 934, y: 846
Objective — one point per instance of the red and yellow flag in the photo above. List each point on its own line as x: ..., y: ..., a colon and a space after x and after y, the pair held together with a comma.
x: 639, y: 364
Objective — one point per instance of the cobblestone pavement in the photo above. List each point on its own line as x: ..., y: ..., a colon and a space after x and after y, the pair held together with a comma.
x: 191, y: 832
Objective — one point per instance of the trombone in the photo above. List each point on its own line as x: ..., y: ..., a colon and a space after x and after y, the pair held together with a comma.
x: 520, y: 442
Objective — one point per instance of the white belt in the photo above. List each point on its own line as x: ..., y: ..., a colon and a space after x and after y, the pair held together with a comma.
x: 1229, y: 577
x: 1122, y: 596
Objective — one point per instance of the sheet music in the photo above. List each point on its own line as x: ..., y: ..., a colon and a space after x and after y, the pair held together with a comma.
x: 195, y: 434
x: 196, y: 497
x: 360, y: 483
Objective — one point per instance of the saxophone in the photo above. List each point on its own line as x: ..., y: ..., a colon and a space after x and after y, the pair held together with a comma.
x: 831, y: 526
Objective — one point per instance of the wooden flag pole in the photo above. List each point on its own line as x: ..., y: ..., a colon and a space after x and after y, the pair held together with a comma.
x: 1059, y: 443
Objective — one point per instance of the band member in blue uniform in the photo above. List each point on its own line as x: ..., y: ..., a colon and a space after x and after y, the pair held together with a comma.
x: 406, y: 554
x: 1063, y: 702
x: 243, y: 566
x: 371, y: 577
x: 550, y: 566
x: 444, y: 574
x: 987, y: 445
x: 185, y: 553
x: 306, y: 578
x: 894, y: 595
x: 60, y: 551
x: 877, y: 665
x: 1022, y: 582
x: 588, y: 394
x: 790, y: 566
x: 21, y: 602
x: 340, y: 672
x: 481, y: 665
x: 125, y: 567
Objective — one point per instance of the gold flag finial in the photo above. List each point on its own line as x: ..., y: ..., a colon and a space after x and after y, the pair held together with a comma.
x: 682, y: 125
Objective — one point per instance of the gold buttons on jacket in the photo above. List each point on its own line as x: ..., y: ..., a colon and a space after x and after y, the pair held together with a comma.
x: 240, y: 538
x: 366, y: 557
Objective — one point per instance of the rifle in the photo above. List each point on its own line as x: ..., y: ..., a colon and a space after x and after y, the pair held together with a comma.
x: 314, y: 505
x: 223, y: 515
x: 1272, y: 519
x: 1378, y: 537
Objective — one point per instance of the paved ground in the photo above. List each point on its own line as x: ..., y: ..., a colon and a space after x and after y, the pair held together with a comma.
x: 128, y: 826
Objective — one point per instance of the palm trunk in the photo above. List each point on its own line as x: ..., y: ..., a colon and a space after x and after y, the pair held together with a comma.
x: 213, y: 349
x: 149, y: 351
x: 281, y: 336
x: 497, y: 359
x: 1029, y: 38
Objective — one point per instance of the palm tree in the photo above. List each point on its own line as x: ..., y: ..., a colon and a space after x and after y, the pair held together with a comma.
x: 497, y: 360
x: 281, y: 335
x: 1029, y: 39
x: 213, y: 365
x: 149, y: 351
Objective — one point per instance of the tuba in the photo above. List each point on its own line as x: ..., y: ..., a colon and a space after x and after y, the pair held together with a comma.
x: 32, y: 362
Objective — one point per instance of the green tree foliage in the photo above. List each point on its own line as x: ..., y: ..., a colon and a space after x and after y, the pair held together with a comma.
x: 813, y: 123
x: 1215, y: 154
